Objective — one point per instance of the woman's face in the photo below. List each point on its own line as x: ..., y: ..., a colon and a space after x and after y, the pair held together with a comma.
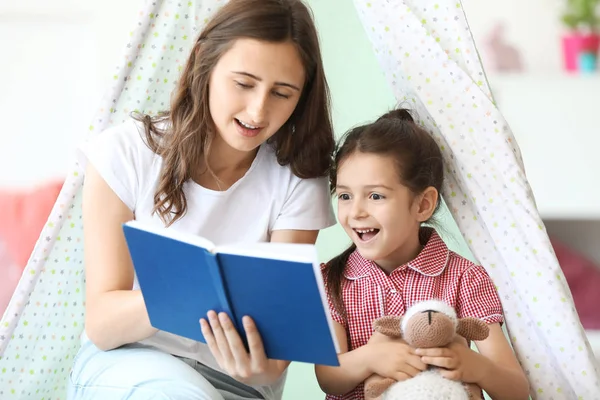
x: 253, y: 90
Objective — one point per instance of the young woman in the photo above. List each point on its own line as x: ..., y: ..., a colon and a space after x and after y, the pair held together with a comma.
x: 241, y: 155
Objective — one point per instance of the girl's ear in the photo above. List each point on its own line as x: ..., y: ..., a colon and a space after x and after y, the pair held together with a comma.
x: 426, y: 204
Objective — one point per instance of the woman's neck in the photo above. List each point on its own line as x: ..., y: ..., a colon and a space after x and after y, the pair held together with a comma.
x: 225, y: 166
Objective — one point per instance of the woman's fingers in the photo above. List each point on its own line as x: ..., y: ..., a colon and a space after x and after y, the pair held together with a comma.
x: 255, y: 344
x: 227, y: 346
x: 210, y: 340
x: 221, y: 340
x: 236, y: 346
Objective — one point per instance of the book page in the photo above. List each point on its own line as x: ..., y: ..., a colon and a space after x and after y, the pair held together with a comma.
x: 278, y: 251
x: 173, y: 234
x: 321, y: 285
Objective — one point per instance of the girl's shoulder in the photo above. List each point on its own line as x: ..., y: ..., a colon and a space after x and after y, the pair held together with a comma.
x: 462, y: 265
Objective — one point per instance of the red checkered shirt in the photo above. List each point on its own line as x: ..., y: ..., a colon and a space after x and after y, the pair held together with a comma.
x: 437, y: 273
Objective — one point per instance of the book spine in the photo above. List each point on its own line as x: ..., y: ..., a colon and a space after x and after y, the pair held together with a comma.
x: 219, y: 284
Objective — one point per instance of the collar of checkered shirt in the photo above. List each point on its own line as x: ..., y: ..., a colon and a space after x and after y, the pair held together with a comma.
x: 431, y: 261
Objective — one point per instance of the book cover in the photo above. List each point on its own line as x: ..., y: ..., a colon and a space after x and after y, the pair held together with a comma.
x: 279, y: 285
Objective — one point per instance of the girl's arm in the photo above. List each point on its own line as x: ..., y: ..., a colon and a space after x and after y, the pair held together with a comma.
x: 495, y: 368
x: 390, y: 359
x: 502, y: 376
x: 352, y: 370
x: 115, y: 314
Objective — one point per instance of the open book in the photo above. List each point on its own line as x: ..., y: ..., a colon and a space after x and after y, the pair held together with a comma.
x: 279, y: 285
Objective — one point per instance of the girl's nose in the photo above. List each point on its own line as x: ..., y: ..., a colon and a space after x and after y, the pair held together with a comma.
x: 358, y: 209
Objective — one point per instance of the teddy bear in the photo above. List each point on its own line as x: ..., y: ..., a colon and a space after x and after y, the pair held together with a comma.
x: 426, y: 324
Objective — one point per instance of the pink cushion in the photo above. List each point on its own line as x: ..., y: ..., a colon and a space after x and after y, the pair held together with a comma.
x: 583, y: 278
x: 11, y: 273
x: 23, y: 213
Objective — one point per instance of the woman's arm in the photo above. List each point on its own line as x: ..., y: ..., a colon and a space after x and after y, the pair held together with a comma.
x: 115, y: 314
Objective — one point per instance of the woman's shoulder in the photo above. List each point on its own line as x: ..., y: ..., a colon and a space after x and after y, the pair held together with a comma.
x: 128, y: 138
x: 129, y: 134
x: 121, y: 147
x: 283, y: 173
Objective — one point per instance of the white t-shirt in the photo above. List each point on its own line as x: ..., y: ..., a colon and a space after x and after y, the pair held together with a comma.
x: 268, y: 197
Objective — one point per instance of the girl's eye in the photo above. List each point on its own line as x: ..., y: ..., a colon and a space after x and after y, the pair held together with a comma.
x: 375, y: 196
x: 344, y: 196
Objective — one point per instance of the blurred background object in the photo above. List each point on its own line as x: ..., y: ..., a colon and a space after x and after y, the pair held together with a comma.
x: 503, y: 56
x: 582, y: 40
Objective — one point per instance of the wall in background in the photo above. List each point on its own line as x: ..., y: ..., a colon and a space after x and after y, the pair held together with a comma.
x: 58, y: 54
x: 532, y: 26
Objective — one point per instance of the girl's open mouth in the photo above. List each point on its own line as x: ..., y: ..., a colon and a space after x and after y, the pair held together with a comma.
x: 366, y: 234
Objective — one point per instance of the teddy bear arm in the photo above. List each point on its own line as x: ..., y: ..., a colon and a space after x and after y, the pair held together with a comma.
x: 375, y: 385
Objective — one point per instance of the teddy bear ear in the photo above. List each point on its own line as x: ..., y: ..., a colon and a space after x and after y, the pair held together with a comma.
x: 388, y: 325
x: 472, y: 328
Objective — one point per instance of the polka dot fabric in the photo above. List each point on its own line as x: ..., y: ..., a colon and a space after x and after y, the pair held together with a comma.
x: 39, y: 333
x: 428, y: 55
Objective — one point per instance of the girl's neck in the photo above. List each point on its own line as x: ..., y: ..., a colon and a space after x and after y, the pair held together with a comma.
x: 405, y: 253
x: 225, y: 166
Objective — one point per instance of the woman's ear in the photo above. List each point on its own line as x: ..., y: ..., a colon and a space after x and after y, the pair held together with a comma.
x: 427, y: 203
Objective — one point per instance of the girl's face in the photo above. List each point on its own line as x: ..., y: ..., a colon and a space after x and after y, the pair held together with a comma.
x: 380, y: 215
x: 253, y: 90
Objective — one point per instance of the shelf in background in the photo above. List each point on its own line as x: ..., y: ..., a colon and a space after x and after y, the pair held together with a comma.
x: 593, y: 337
x: 555, y: 120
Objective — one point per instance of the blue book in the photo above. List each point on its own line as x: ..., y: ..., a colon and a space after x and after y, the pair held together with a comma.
x: 279, y: 285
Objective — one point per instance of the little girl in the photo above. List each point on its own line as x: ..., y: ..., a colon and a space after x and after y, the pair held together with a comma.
x: 387, y: 177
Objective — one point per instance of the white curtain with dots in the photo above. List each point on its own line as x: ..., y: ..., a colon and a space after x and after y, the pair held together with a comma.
x: 429, y: 57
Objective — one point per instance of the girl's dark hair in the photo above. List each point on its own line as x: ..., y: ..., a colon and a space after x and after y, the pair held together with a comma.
x: 305, y: 142
x: 418, y: 162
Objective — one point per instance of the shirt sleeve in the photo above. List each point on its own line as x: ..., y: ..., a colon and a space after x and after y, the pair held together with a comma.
x: 478, y: 297
x: 307, y: 206
x: 114, y: 153
x: 335, y: 314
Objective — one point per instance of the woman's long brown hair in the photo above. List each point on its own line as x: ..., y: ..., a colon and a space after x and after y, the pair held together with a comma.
x: 305, y: 142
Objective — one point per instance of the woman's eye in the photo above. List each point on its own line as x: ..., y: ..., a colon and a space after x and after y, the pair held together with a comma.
x: 243, y: 85
x: 344, y: 196
x: 281, y: 95
x: 376, y: 196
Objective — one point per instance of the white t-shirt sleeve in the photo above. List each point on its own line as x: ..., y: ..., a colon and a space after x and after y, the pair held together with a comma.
x: 307, y: 206
x: 116, y: 154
